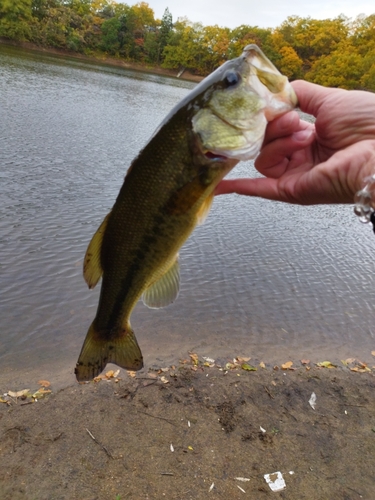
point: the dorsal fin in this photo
(92, 268)
(165, 290)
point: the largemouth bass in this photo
(167, 191)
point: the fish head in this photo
(233, 105)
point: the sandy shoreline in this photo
(194, 432)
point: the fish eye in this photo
(232, 78)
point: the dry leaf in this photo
(18, 394)
(305, 361)
(360, 369)
(326, 364)
(194, 358)
(4, 401)
(262, 365)
(164, 380)
(241, 359)
(373, 353)
(131, 373)
(229, 366)
(348, 361)
(44, 391)
(44, 383)
(110, 374)
(287, 365)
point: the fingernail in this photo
(302, 135)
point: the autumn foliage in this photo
(336, 52)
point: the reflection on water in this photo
(259, 278)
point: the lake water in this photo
(259, 278)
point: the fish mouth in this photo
(210, 155)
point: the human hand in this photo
(307, 163)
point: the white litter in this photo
(275, 481)
(209, 360)
(239, 487)
(263, 430)
(172, 449)
(312, 400)
(244, 479)
(211, 487)
(188, 423)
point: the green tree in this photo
(15, 16)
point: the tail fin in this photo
(96, 353)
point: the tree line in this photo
(335, 52)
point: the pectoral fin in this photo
(165, 290)
(204, 209)
(92, 268)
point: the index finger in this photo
(282, 126)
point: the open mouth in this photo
(214, 156)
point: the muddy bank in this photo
(102, 59)
(194, 433)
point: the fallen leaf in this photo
(347, 361)
(190, 448)
(4, 401)
(44, 383)
(110, 374)
(360, 369)
(116, 373)
(287, 365)
(373, 353)
(262, 365)
(18, 394)
(229, 366)
(240, 359)
(209, 360)
(164, 379)
(44, 391)
(194, 358)
(248, 368)
(326, 364)
(131, 373)
(305, 361)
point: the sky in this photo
(262, 13)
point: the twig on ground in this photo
(156, 416)
(101, 445)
